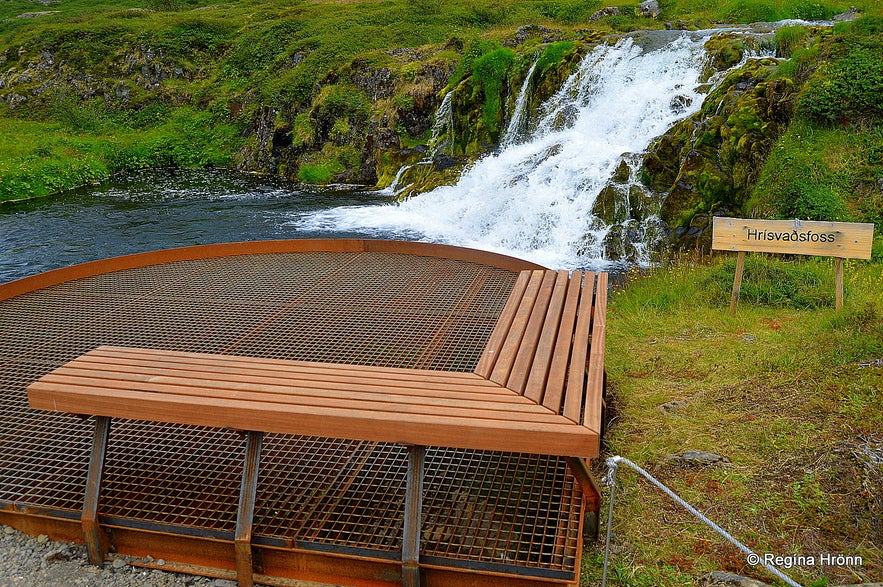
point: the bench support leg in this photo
(89, 519)
(591, 492)
(245, 515)
(413, 517)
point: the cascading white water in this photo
(519, 114)
(533, 199)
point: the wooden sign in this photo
(841, 240)
(847, 240)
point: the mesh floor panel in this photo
(360, 308)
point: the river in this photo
(533, 198)
(160, 209)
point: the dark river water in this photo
(161, 209)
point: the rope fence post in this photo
(613, 464)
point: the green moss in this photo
(319, 173)
(302, 132)
(789, 39)
(553, 55)
(848, 85)
(489, 72)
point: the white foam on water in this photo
(533, 199)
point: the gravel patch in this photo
(36, 561)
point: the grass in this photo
(823, 173)
(233, 60)
(48, 157)
(784, 389)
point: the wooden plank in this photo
(222, 360)
(737, 282)
(554, 388)
(849, 240)
(475, 433)
(293, 400)
(595, 374)
(329, 378)
(535, 385)
(526, 352)
(501, 329)
(509, 350)
(576, 369)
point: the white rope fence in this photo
(612, 465)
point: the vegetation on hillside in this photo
(788, 391)
(256, 84)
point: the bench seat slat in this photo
(252, 363)
(74, 380)
(554, 389)
(492, 349)
(595, 374)
(526, 353)
(537, 381)
(328, 378)
(509, 350)
(573, 395)
(476, 433)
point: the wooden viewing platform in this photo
(532, 381)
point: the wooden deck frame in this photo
(538, 388)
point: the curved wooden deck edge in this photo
(191, 253)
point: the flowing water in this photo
(159, 209)
(533, 199)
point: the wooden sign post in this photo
(841, 240)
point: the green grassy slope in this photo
(788, 390)
(180, 82)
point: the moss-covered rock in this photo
(709, 161)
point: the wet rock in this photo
(377, 83)
(847, 16)
(673, 406)
(698, 457)
(605, 12)
(530, 31)
(611, 205)
(723, 579)
(622, 173)
(649, 8)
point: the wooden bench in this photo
(537, 388)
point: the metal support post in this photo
(413, 517)
(245, 515)
(590, 490)
(95, 542)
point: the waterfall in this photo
(442, 127)
(519, 115)
(534, 198)
(439, 142)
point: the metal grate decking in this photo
(496, 512)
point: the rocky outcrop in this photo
(362, 125)
(708, 162)
(134, 77)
